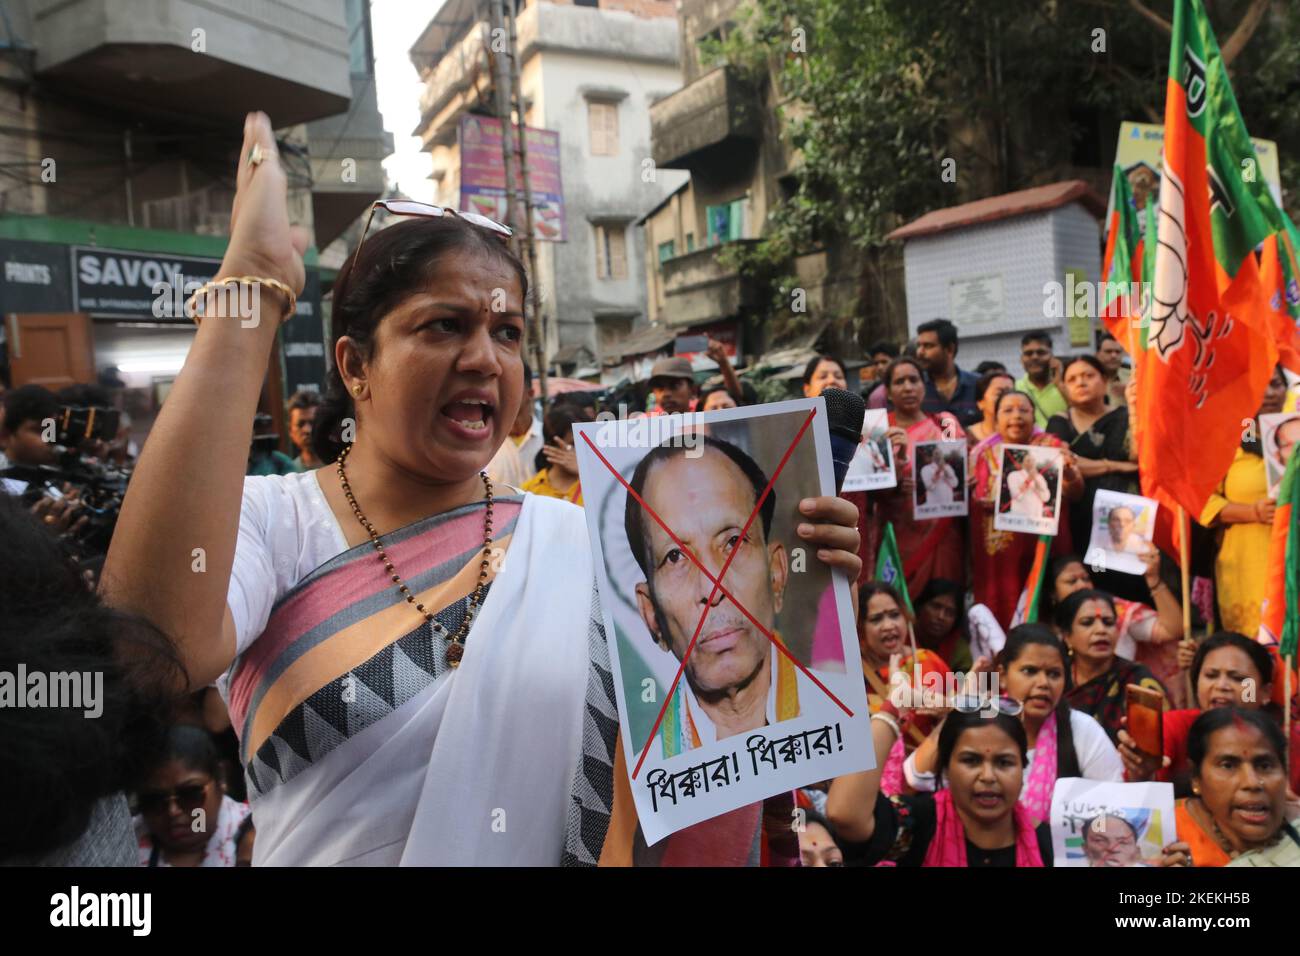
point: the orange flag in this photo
(1206, 351)
(1277, 271)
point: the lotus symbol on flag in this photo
(1168, 303)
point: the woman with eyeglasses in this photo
(414, 662)
(1087, 623)
(1236, 815)
(1034, 670)
(185, 817)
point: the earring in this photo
(356, 389)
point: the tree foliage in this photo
(875, 95)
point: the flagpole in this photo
(1184, 532)
(1286, 701)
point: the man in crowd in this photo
(948, 388)
(264, 455)
(27, 422)
(1111, 356)
(881, 354)
(29, 413)
(1039, 381)
(734, 673)
(302, 416)
(673, 385)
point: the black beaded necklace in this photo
(455, 642)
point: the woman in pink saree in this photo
(1000, 560)
(932, 547)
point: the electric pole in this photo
(502, 49)
(530, 243)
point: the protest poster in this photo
(1279, 432)
(872, 465)
(1122, 530)
(940, 487)
(736, 662)
(1029, 489)
(1101, 823)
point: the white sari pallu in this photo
(363, 747)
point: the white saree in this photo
(484, 766)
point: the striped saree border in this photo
(351, 600)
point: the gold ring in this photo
(255, 155)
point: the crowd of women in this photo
(410, 652)
(955, 788)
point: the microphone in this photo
(844, 414)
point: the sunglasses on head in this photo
(424, 210)
(189, 798)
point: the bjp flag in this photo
(1279, 274)
(1204, 350)
(1121, 267)
(1280, 616)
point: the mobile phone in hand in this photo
(1145, 718)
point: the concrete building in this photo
(123, 122)
(722, 127)
(591, 71)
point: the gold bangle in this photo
(291, 300)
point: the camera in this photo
(99, 485)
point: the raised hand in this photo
(562, 455)
(262, 243)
